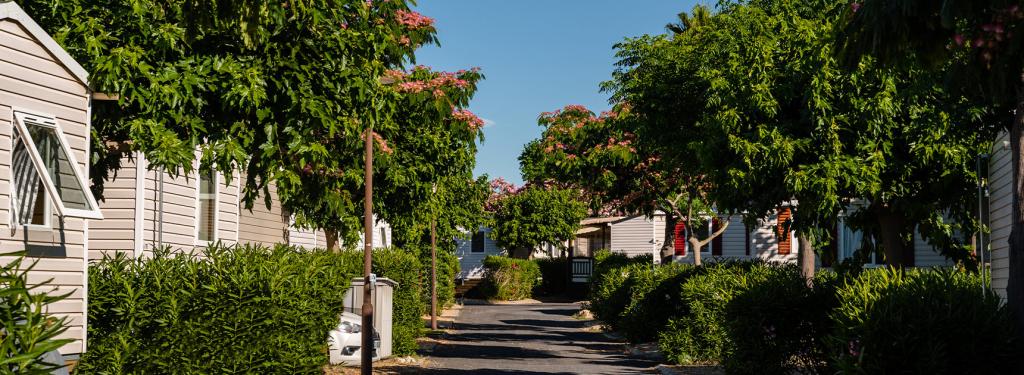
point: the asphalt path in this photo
(529, 339)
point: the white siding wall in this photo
(636, 236)
(32, 79)
(1000, 183)
(262, 225)
(925, 255)
(115, 233)
(470, 263)
(313, 239)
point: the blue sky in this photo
(537, 55)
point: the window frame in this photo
(49, 121)
(216, 207)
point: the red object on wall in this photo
(680, 242)
(716, 243)
(782, 231)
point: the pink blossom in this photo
(855, 6)
(413, 20)
(404, 41)
(472, 120)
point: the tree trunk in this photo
(1015, 284)
(332, 240)
(891, 225)
(694, 247)
(668, 248)
(806, 258)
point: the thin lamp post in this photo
(367, 310)
(433, 265)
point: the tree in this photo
(534, 216)
(982, 40)
(600, 155)
(283, 91)
(773, 119)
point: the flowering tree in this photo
(602, 156)
(282, 91)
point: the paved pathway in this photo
(529, 339)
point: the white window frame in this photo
(216, 207)
(20, 115)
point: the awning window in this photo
(41, 143)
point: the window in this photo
(782, 231)
(383, 237)
(44, 166)
(207, 207)
(478, 242)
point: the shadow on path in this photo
(529, 339)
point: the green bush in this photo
(778, 325)
(922, 322)
(407, 301)
(605, 261)
(610, 296)
(447, 268)
(698, 333)
(554, 275)
(653, 299)
(509, 279)
(242, 309)
(28, 332)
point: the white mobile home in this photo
(45, 202)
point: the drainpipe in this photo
(160, 209)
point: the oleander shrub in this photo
(554, 275)
(777, 325)
(28, 333)
(605, 261)
(653, 300)
(922, 322)
(408, 305)
(698, 333)
(509, 279)
(240, 309)
(610, 296)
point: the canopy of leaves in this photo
(535, 216)
(759, 101)
(283, 91)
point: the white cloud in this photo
(488, 122)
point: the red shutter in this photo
(680, 234)
(782, 231)
(716, 243)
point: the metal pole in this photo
(981, 232)
(433, 274)
(367, 338)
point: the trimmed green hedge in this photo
(242, 309)
(509, 279)
(408, 303)
(554, 275)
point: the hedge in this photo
(922, 322)
(408, 304)
(777, 326)
(554, 275)
(509, 279)
(243, 309)
(28, 333)
(760, 318)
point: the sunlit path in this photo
(529, 339)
